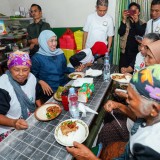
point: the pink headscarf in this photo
(155, 49)
(19, 58)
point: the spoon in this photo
(116, 119)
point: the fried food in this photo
(117, 77)
(68, 126)
(124, 87)
(52, 112)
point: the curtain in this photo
(120, 6)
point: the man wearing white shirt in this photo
(99, 26)
(153, 25)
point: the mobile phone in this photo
(138, 38)
(131, 12)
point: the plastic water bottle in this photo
(106, 71)
(73, 105)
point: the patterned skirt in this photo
(111, 131)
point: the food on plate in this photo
(68, 126)
(124, 87)
(59, 91)
(75, 76)
(52, 112)
(117, 77)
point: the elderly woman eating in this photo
(17, 92)
(49, 65)
(144, 107)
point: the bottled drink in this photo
(73, 105)
(106, 71)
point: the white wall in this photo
(5, 7)
(62, 13)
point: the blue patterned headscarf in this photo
(147, 82)
(44, 48)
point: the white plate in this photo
(79, 135)
(40, 113)
(76, 75)
(120, 90)
(123, 80)
(56, 98)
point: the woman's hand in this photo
(125, 14)
(81, 152)
(46, 88)
(121, 94)
(20, 124)
(135, 17)
(110, 105)
(123, 70)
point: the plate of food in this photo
(56, 97)
(48, 112)
(123, 86)
(71, 130)
(76, 75)
(121, 78)
(57, 94)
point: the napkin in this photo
(93, 72)
(79, 81)
(83, 108)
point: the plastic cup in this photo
(65, 102)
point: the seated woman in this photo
(49, 65)
(153, 54)
(139, 62)
(87, 56)
(144, 106)
(140, 58)
(18, 94)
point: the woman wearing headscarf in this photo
(49, 65)
(144, 106)
(17, 94)
(153, 54)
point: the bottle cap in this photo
(71, 90)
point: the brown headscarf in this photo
(155, 49)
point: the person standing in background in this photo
(35, 28)
(99, 26)
(153, 25)
(131, 26)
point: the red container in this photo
(65, 102)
